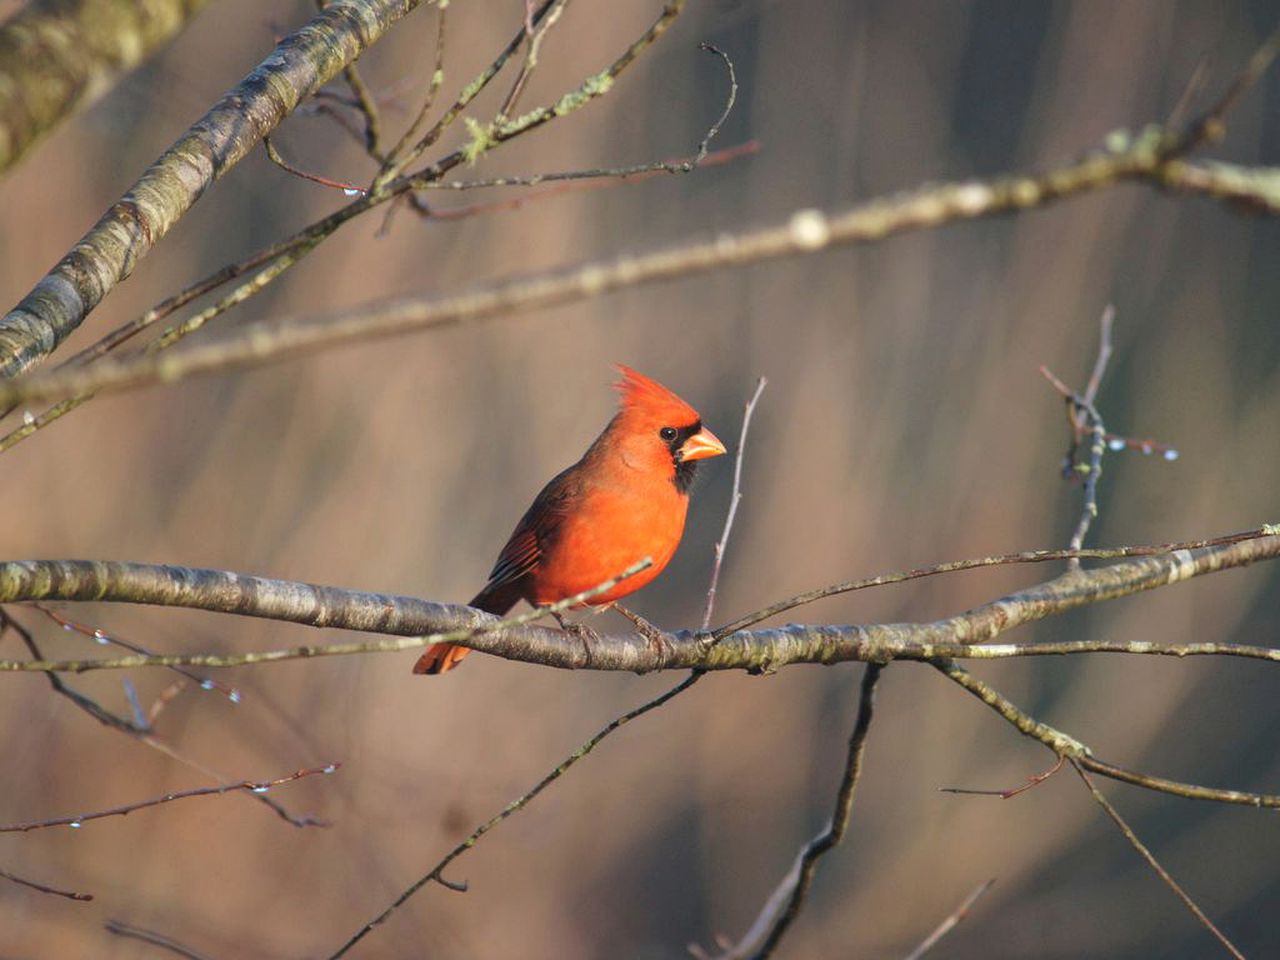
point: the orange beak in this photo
(701, 445)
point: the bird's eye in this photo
(667, 433)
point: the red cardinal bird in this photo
(623, 501)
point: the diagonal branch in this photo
(44, 888)
(1148, 856)
(389, 186)
(1067, 746)
(787, 899)
(298, 66)
(951, 921)
(735, 497)
(515, 806)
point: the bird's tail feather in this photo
(443, 657)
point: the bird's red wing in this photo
(535, 532)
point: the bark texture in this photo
(298, 66)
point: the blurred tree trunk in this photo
(57, 56)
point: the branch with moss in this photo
(299, 65)
(391, 184)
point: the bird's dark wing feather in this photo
(535, 532)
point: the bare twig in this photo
(121, 929)
(437, 872)
(367, 107)
(955, 566)
(1147, 855)
(1063, 744)
(735, 496)
(573, 181)
(728, 106)
(1084, 418)
(1212, 124)
(253, 786)
(44, 888)
(350, 189)
(787, 899)
(433, 86)
(62, 688)
(139, 729)
(953, 919)
(635, 173)
(300, 64)
(806, 231)
(1104, 353)
(1009, 793)
(103, 638)
(389, 185)
(1195, 83)
(534, 36)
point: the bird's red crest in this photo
(642, 394)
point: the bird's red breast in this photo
(625, 500)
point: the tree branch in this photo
(784, 904)
(43, 888)
(1142, 157)
(122, 929)
(1152, 862)
(515, 806)
(253, 786)
(415, 623)
(1067, 746)
(950, 922)
(298, 66)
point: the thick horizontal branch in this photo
(1141, 157)
(298, 66)
(58, 56)
(417, 622)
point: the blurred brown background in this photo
(904, 424)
